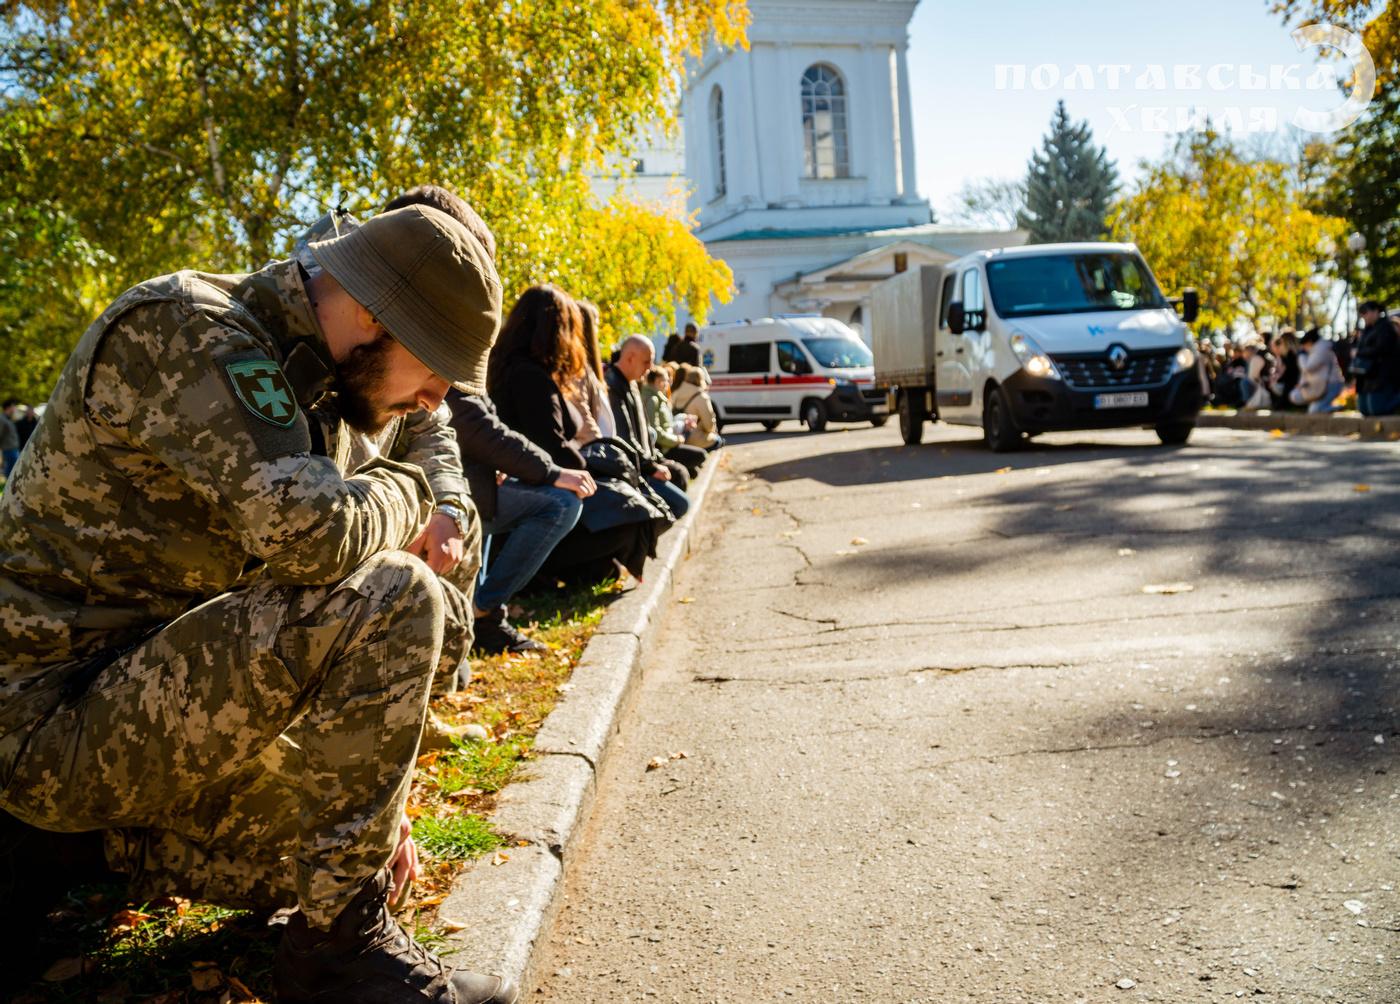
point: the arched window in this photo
(825, 140)
(717, 140)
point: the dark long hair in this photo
(544, 325)
(592, 351)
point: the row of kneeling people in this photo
(576, 465)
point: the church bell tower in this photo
(809, 129)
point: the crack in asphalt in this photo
(781, 681)
(1143, 744)
(1006, 628)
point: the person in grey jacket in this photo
(520, 491)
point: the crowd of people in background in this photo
(577, 465)
(17, 422)
(1288, 371)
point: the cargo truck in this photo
(1050, 337)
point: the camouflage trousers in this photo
(258, 750)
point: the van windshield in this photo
(1071, 284)
(838, 353)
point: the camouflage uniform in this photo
(185, 576)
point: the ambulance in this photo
(805, 367)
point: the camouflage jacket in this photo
(176, 461)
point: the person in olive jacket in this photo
(518, 490)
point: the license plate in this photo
(1134, 400)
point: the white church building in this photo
(798, 157)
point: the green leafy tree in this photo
(1242, 231)
(1365, 190)
(171, 133)
(1364, 184)
(1070, 184)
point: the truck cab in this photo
(1043, 338)
(806, 367)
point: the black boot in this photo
(367, 958)
(495, 634)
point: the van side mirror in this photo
(957, 317)
(1190, 305)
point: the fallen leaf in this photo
(126, 920)
(756, 511)
(428, 759)
(500, 858)
(656, 762)
(177, 903)
(1361, 488)
(1276, 433)
(63, 970)
(1168, 588)
(1064, 508)
(1004, 470)
(686, 599)
(859, 541)
(242, 988)
(1126, 552)
(451, 926)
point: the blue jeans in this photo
(537, 518)
(675, 498)
(1378, 402)
(7, 464)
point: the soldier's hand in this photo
(581, 483)
(440, 544)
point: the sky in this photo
(973, 121)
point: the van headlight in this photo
(1185, 359)
(1035, 362)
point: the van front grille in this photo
(1149, 368)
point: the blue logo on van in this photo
(708, 359)
(1095, 331)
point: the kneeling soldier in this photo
(185, 577)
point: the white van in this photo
(806, 367)
(1032, 339)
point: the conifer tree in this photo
(1070, 184)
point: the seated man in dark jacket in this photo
(670, 478)
(1376, 364)
(519, 490)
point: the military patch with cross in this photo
(263, 388)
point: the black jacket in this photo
(489, 445)
(687, 352)
(631, 416)
(1377, 360)
(530, 402)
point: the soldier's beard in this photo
(359, 387)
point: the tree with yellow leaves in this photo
(1238, 229)
(170, 133)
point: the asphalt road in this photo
(1097, 721)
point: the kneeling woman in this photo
(536, 362)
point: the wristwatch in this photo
(455, 513)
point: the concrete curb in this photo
(496, 912)
(1343, 423)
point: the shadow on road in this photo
(946, 459)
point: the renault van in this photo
(1046, 337)
(805, 367)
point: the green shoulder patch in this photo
(263, 388)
